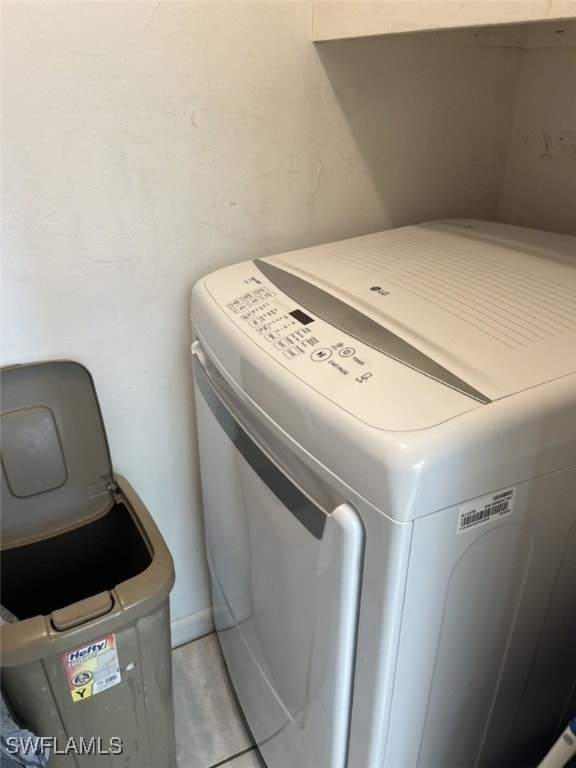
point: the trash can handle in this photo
(82, 612)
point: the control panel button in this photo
(346, 352)
(321, 354)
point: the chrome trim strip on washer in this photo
(312, 517)
(363, 328)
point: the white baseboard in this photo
(191, 627)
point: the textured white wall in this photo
(147, 143)
(540, 183)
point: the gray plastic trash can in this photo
(85, 571)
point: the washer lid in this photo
(488, 309)
(56, 469)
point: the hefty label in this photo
(92, 668)
(87, 651)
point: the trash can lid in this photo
(56, 468)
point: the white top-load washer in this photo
(387, 430)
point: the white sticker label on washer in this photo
(485, 509)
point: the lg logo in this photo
(381, 291)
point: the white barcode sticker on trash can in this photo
(92, 668)
(485, 509)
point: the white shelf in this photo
(345, 19)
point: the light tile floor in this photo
(209, 729)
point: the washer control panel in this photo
(290, 332)
(352, 374)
